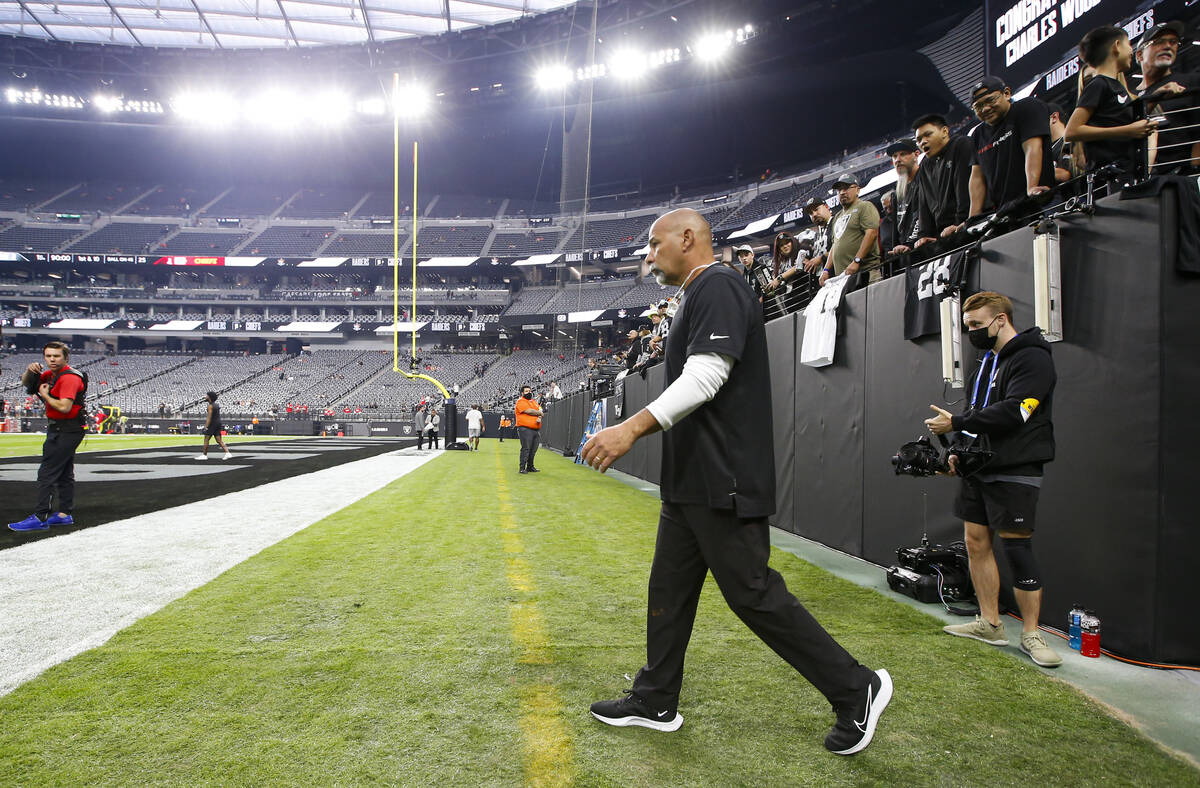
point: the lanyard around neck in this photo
(694, 271)
(991, 380)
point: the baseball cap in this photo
(813, 202)
(904, 145)
(986, 85)
(743, 248)
(1178, 28)
(846, 179)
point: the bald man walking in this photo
(718, 489)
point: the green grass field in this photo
(451, 630)
(24, 445)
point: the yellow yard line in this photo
(549, 757)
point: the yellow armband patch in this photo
(1028, 406)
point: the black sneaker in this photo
(632, 710)
(855, 724)
(534, 470)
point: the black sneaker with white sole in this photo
(632, 710)
(855, 726)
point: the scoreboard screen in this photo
(1026, 38)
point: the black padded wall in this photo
(903, 378)
(828, 499)
(581, 411)
(1179, 436)
(781, 347)
(656, 378)
(556, 423)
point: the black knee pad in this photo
(1026, 575)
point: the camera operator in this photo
(1008, 417)
(62, 390)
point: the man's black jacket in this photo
(944, 182)
(1017, 419)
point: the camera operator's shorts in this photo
(1001, 506)
(474, 433)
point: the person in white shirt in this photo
(474, 427)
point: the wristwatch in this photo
(858, 260)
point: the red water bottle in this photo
(1089, 645)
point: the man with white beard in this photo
(904, 155)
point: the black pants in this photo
(433, 439)
(693, 540)
(57, 472)
(530, 438)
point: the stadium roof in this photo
(232, 24)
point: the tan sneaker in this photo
(979, 629)
(1033, 644)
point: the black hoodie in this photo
(1016, 420)
(944, 188)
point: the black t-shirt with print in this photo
(722, 454)
(999, 150)
(1111, 105)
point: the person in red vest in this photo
(62, 389)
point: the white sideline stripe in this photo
(60, 597)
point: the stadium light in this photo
(597, 71)
(554, 77)
(106, 104)
(411, 101)
(663, 57)
(628, 64)
(275, 109)
(206, 107)
(36, 98)
(373, 106)
(331, 109)
(712, 47)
